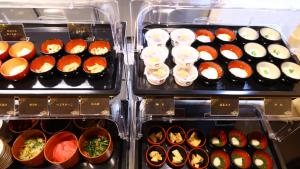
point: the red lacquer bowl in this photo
(22, 49)
(19, 144)
(55, 149)
(92, 132)
(161, 151)
(15, 69)
(4, 48)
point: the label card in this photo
(158, 107)
(224, 106)
(64, 106)
(278, 106)
(33, 106)
(82, 31)
(94, 106)
(12, 32)
(7, 106)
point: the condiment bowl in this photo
(204, 164)
(43, 66)
(170, 155)
(53, 47)
(95, 66)
(175, 129)
(19, 144)
(161, 151)
(199, 134)
(76, 47)
(156, 129)
(239, 71)
(54, 149)
(210, 72)
(100, 48)
(92, 132)
(63, 65)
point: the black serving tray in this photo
(116, 161)
(206, 126)
(110, 84)
(251, 88)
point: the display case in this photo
(62, 74)
(171, 88)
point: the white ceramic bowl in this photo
(255, 50)
(184, 55)
(185, 75)
(157, 37)
(270, 34)
(290, 69)
(248, 33)
(157, 76)
(182, 37)
(154, 56)
(279, 51)
(268, 70)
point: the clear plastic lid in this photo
(282, 15)
(63, 12)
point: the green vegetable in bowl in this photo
(32, 147)
(95, 146)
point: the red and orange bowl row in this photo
(18, 68)
(22, 52)
(63, 148)
(27, 50)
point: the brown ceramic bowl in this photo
(92, 132)
(200, 135)
(72, 44)
(19, 126)
(161, 151)
(8, 68)
(46, 48)
(205, 32)
(156, 129)
(19, 143)
(203, 154)
(212, 51)
(60, 125)
(54, 149)
(92, 61)
(22, 49)
(94, 46)
(67, 60)
(183, 153)
(4, 48)
(37, 64)
(175, 129)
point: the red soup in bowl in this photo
(61, 149)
